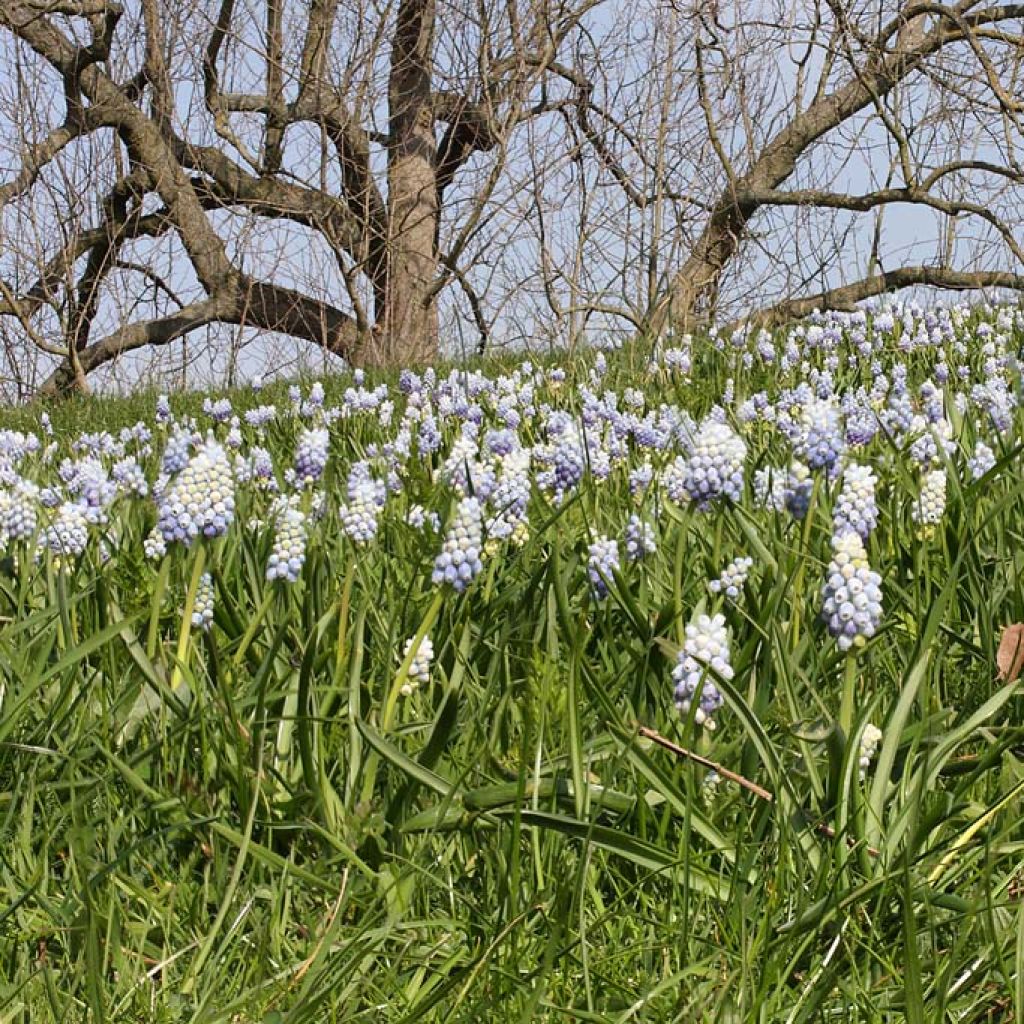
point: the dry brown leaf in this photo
(1010, 656)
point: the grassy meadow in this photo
(443, 697)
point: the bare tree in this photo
(353, 121)
(879, 107)
(368, 177)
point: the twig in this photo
(751, 787)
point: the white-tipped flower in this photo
(705, 652)
(856, 509)
(460, 559)
(201, 498)
(602, 564)
(715, 464)
(289, 551)
(981, 461)
(419, 668)
(311, 453)
(202, 610)
(931, 503)
(852, 594)
(67, 534)
(640, 539)
(870, 737)
(733, 578)
(154, 546)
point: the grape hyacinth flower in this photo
(797, 491)
(202, 610)
(18, 515)
(200, 499)
(459, 562)
(852, 594)
(289, 551)
(870, 737)
(419, 518)
(311, 456)
(715, 464)
(176, 454)
(981, 461)
(706, 648)
(640, 539)
(930, 506)
(856, 509)
(360, 515)
(640, 479)
(602, 564)
(419, 668)
(510, 498)
(68, 532)
(733, 578)
(770, 488)
(154, 546)
(821, 439)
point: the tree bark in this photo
(407, 322)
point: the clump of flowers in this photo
(870, 737)
(289, 550)
(311, 455)
(67, 534)
(930, 506)
(459, 562)
(640, 539)
(154, 546)
(200, 499)
(202, 610)
(856, 509)
(798, 489)
(852, 594)
(981, 461)
(602, 564)
(714, 468)
(705, 651)
(419, 668)
(733, 578)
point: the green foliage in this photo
(256, 825)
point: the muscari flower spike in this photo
(856, 509)
(200, 500)
(289, 551)
(930, 505)
(202, 610)
(716, 464)
(870, 737)
(704, 652)
(459, 562)
(419, 668)
(852, 593)
(640, 539)
(311, 453)
(733, 578)
(602, 564)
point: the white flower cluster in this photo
(931, 503)
(706, 646)
(419, 669)
(869, 740)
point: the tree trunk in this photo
(407, 327)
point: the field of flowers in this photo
(658, 686)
